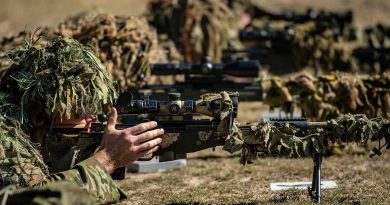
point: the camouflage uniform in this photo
(198, 28)
(328, 96)
(61, 80)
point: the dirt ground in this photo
(217, 177)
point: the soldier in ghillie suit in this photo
(63, 85)
(330, 95)
(126, 45)
(198, 28)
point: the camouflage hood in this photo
(64, 79)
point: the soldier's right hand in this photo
(121, 147)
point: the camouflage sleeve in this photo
(90, 176)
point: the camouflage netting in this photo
(331, 95)
(198, 28)
(62, 80)
(285, 139)
(20, 161)
(125, 45)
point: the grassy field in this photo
(218, 178)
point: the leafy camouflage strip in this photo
(199, 28)
(12, 42)
(223, 115)
(20, 161)
(62, 79)
(285, 139)
(331, 95)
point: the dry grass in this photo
(218, 178)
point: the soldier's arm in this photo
(118, 149)
(92, 177)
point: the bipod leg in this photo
(315, 189)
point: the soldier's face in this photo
(79, 122)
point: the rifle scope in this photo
(237, 68)
(174, 106)
(310, 15)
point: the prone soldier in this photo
(63, 84)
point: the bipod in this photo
(315, 189)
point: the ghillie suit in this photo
(315, 45)
(331, 95)
(278, 95)
(53, 82)
(198, 28)
(378, 36)
(125, 45)
(316, 39)
(374, 57)
(379, 94)
(9, 43)
(63, 80)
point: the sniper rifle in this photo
(185, 134)
(208, 78)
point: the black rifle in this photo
(339, 20)
(208, 78)
(272, 46)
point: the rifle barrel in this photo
(236, 68)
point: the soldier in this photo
(198, 28)
(63, 85)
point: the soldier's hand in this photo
(121, 147)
